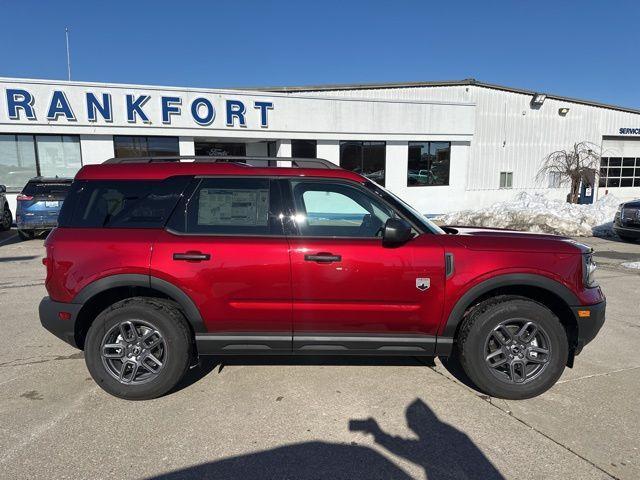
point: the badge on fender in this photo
(423, 284)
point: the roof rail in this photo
(295, 161)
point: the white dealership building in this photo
(441, 146)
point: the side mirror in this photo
(3, 189)
(396, 232)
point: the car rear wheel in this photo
(7, 219)
(512, 347)
(139, 348)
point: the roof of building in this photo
(443, 83)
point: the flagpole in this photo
(66, 33)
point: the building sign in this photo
(94, 106)
(39, 106)
(629, 131)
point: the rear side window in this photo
(42, 189)
(121, 204)
(229, 206)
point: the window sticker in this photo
(225, 206)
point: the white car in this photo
(7, 219)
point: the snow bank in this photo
(635, 265)
(536, 213)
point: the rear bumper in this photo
(36, 225)
(50, 319)
(589, 326)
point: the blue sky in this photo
(585, 49)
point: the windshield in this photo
(408, 209)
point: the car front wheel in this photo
(512, 347)
(139, 348)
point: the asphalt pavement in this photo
(312, 418)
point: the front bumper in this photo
(50, 319)
(588, 326)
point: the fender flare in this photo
(189, 308)
(506, 280)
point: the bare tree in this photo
(575, 165)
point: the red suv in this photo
(158, 261)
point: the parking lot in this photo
(315, 418)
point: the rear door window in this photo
(229, 206)
(121, 204)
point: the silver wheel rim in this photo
(517, 351)
(133, 352)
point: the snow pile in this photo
(635, 265)
(536, 213)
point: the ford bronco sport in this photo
(157, 261)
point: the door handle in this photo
(323, 258)
(192, 256)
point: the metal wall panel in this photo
(510, 135)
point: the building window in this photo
(25, 156)
(506, 179)
(221, 149)
(619, 172)
(304, 148)
(555, 179)
(134, 146)
(365, 158)
(429, 164)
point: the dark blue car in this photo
(39, 204)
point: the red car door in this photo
(346, 283)
(224, 247)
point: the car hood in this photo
(632, 204)
(480, 238)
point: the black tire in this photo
(159, 314)
(26, 234)
(477, 340)
(7, 219)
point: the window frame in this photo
(304, 141)
(146, 141)
(361, 144)
(275, 202)
(33, 136)
(619, 165)
(428, 142)
(508, 176)
(291, 227)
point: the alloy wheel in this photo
(133, 352)
(517, 351)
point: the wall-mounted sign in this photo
(110, 109)
(629, 131)
(23, 104)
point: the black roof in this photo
(443, 83)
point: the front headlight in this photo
(589, 271)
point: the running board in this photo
(322, 344)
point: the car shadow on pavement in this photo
(441, 450)
(208, 364)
